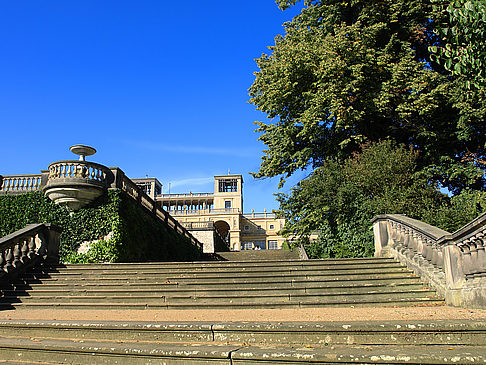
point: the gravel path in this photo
(279, 315)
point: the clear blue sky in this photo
(160, 88)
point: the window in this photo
(272, 226)
(227, 204)
(227, 186)
(259, 245)
(272, 245)
(246, 245)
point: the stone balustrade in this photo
(20, 184)
(198, 225)
(454, 264)
(78, 169)
(28, 247)
(122, 182)
(204, 211)
(76, 183)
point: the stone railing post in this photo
(380, 231)
(453, 266)
(53, 234)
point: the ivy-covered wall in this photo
(112, 229)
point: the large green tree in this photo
(463, 51)
(341, 197)
(356, 71)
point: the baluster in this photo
(31, 247)
(428, 249)
(420, 245)
(24, 251)
(8, 267)
(440, 257)
(17, 253)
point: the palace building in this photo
(221, 210)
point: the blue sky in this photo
(159, 88)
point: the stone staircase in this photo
(222, 285)
(248, 281)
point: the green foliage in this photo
(115, 228)
(352, 72)
(457, 211)
(100, 251)
(340, 199)
(464, 33)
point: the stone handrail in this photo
(207, 225)
(27, 247)
(205, 211)
(185, 195)
(455, 264)
(20, 184)
(121, 181)
(260, 215)
(75, 169)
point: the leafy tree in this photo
(340, 198)
(464, 53)
(356, 71)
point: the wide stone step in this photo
(222, 264)
(369, 301)
(114, 352)
(439, 332)
(117, 290)
(212, 270)
(369, 274)
(218, 284)
(256, 297)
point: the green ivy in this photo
(134, 234)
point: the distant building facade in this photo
(223, 209)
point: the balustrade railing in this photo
(204, 211)
(27, 247)
(20, 184)
(185, 195)
(75, 169)
(259, 215)
(135, 192)
(457, 259)
(198, 225)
